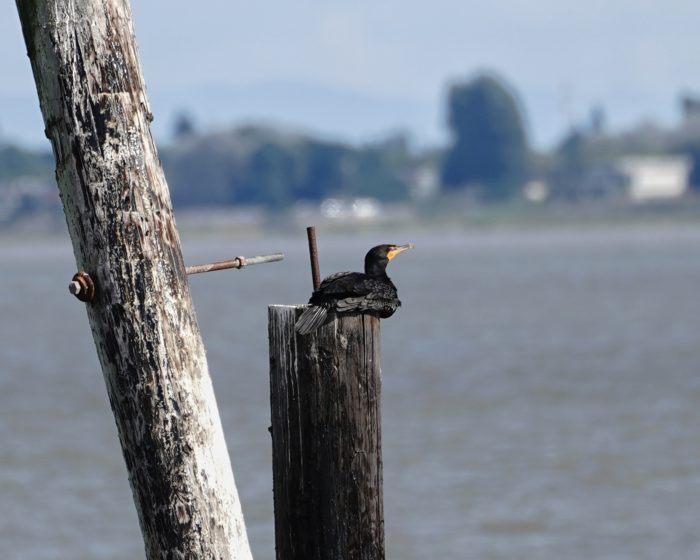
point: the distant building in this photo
(350, 209)
(425, 181)
(655, 178)
(536, 191)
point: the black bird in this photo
(351, 292)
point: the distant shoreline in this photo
(440, 215)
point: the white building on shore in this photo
(655, 178)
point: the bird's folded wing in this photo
(346, 284)
(351, 304)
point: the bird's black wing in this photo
(337, 292)
(348, 292)
(341, 285)
(354, 291)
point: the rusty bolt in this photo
(82, 286)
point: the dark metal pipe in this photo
(313, 255)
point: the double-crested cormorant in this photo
(351, 292)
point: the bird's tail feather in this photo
(311, 319)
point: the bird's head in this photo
(378, 257)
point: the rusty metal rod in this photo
(313, 256)
(238, 262)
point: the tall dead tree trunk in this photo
(120, 219)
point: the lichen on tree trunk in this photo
(117, 205)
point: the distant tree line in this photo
(263, 166)
(488, 156)
(20, 162)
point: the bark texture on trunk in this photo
(117, 205)
(326, 438)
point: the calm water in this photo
(541, 396)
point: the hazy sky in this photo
(357, 69)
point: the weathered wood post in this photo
(326, 438)
(119, 215)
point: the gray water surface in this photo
(541, 395)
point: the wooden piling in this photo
(119, 215)
(326, 438)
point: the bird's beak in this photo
(398, 249)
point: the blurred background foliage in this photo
(275, 168)
(488, 157)
(489, 150)
(19, 162)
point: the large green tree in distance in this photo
(489, 150)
